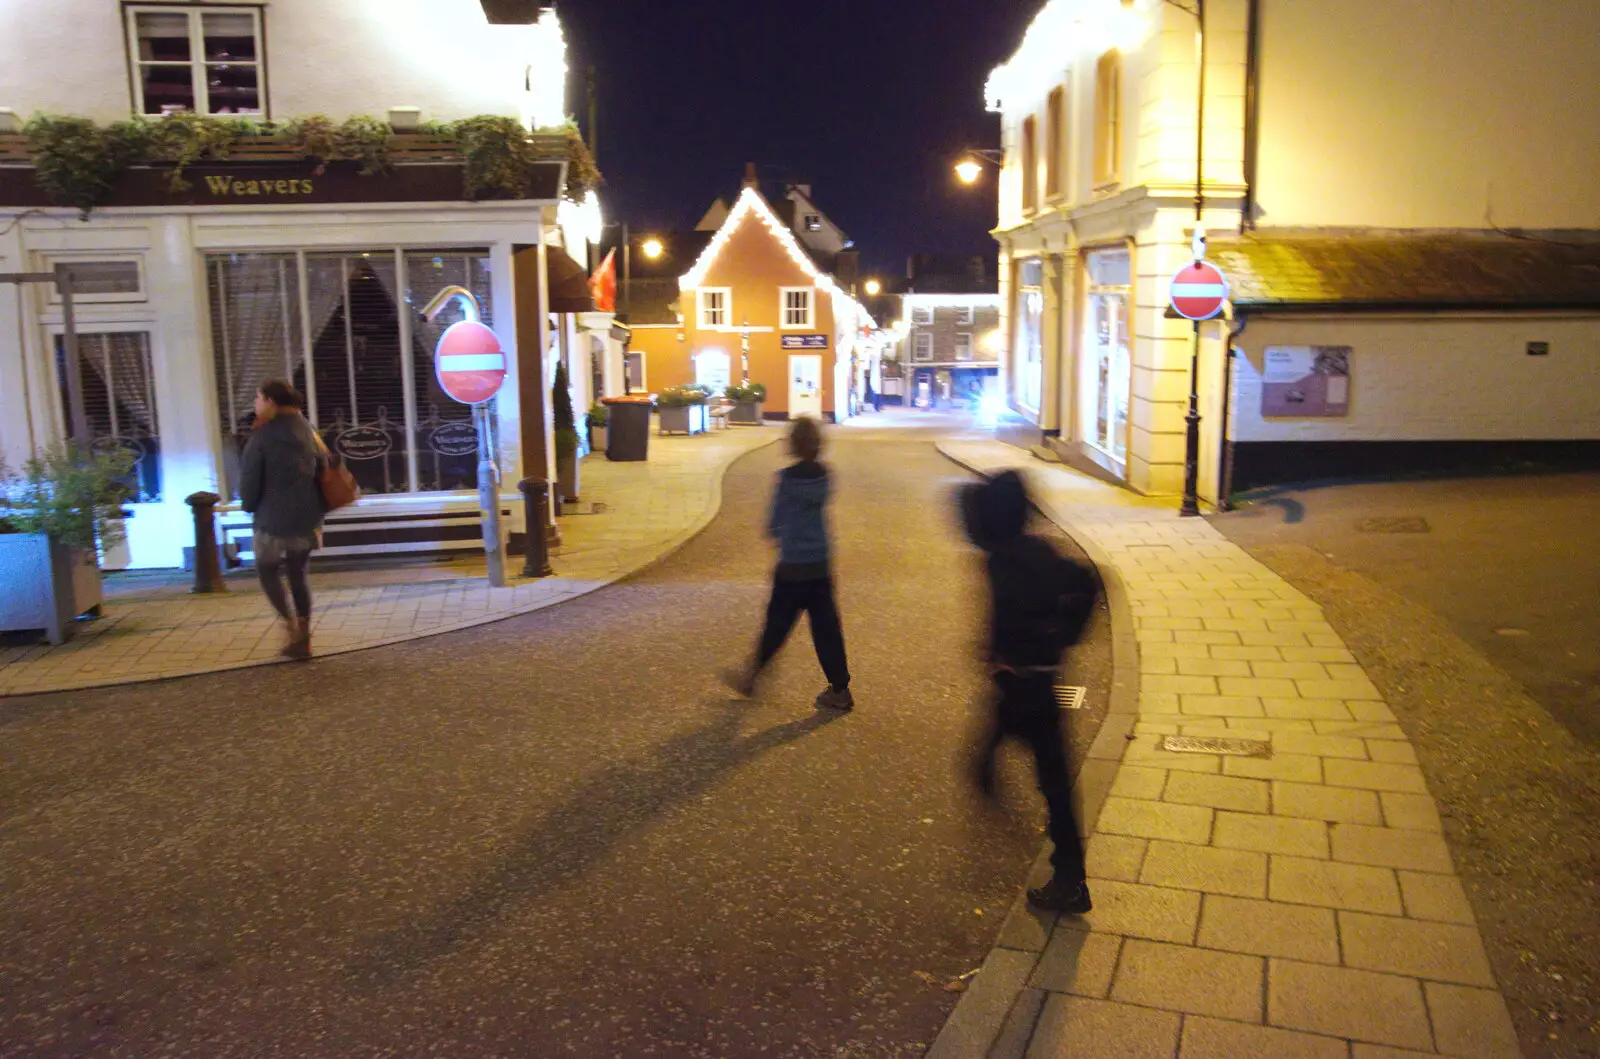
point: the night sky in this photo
(871, 101)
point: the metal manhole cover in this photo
(1070, 696)
(1394, 524)
(1195, 744)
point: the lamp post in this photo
(970, 168)
(1191, 438)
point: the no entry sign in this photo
(1198, 291)
(469, 362)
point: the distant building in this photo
(1415, 263)
(948, 348)
(769, 296)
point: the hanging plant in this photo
(582, 173)
(76, 162)
(499, 154)
(183, 139)
(360, 139)
(315, 137)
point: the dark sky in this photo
(871, 100)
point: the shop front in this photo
(1105, 362)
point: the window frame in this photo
(812, 222)
(917, 341)
(963, 337)
(701, 309)
(1108, 120)
(965, 314)
(1055, 138)
(809, 323)
(917, 315)
(56, 331)
(78, 298)
(1030, 163)
(197, 60)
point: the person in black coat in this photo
(278, 486)
(1040, 602)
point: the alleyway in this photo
(552, 835)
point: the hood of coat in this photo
(807, 483)
(286, 434)
(995, 511)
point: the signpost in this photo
(471, 367)
(1198, 292)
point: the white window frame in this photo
(197, 53)
(54, 330)
(703, 311)
(920, 339)
(922, 315)
(963, 349)
(964, 314)
(784, 309)
(812, 222)
(137, 261)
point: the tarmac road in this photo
(554, 835)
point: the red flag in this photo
(603, 284)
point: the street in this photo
(556, 834)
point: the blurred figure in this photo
(1040, 602)
(803, 579)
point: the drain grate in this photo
(1395, 524)
(1194, 744)
(1070, 696)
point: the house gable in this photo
(754, 247)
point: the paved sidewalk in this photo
(1302, 904)
(153, 628)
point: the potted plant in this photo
(54, 515)
(566, 432)
(683, 408)
(597, 419)
(747, 401)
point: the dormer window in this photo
(813, 222)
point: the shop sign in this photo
(454, 439)
(1306, 381)
(805, 341)
(363, 443)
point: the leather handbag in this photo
(334, 480)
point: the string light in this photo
(546, 104)
(1060, 29)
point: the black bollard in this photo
(535, 510)
(207, 568)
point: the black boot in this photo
(1059, 895)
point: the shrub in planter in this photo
(683, 408)
(597, 419)
(566, 435)
(747, 401)
(53, 514)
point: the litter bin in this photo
(628, 427)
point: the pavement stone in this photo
(1414, 812)
(1391, 848)
(1343, 1002)
(1080, 1028)
(1218, 792)
(1205, 868)
(1135, 910)
(1373, 775)
(1271, 834)
(1316, 802)
(1442, 952)
(1208, 1038)
(1077, 962)
(1148, 819)
(1119, 857)
(1269, 928)
(1471, 1022)
(1436, 897)
(1331, 884)
(1191, 980)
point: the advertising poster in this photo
(1306, 381)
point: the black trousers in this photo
(295, 564)
(815, 597)
(1025, 709)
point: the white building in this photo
(1409, 133)
(269, 264)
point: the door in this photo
(805, 385)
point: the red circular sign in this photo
(469, 362)
(1198, 291)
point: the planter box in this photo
(746, 412)
(689, 419)
(567, 476)
(597, 439)
(45, 586)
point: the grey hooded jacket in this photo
(278, 477)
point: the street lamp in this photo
(970, 168)
(1191, 438)
(873, 287)
(652, 248)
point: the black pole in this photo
(1191, 439)
(536, 545)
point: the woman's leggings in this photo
(296, 564)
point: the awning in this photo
(569, 283)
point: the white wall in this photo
(1417, 113)
(1436, 378)
(336, 58)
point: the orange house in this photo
(756, 306)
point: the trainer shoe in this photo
(836, 699)
(1058, 895)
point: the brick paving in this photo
(1303, 904)
(153, 628)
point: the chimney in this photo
(750, 178)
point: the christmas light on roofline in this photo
(1059, 32)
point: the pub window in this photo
(358, 348)
(922, 314)
(964, 314)
(1108, 119)
(102, 280)
(923, 350)
(797, 307)
(714, 306)
(1030, 163)
(204, 60)
(1054, 139)
(119, 401)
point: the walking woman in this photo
(278, 485)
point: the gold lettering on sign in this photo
(229, 187)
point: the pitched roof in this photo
(1383, 270)
(751, 201)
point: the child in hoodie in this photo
(803, 580)
(1040, 602)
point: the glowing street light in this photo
(969, 171)
(872, 288)
(652, 248)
